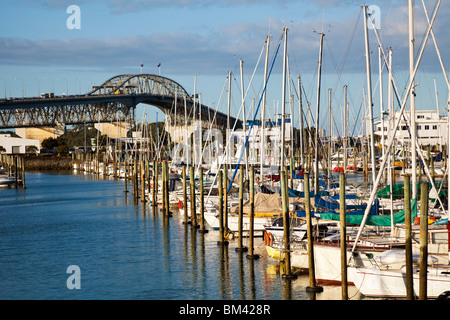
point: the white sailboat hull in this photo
(259, 223)
(374, 282)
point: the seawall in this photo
(48, 163)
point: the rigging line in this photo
(234, 126)
(391, 138)
(339, 72)
(253, 75)
(435, 44)
(321, 144)
(254, 116)
(210, 126)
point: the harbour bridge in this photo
(114, 100)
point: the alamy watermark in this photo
(374, 14)
(74, 20)
(74, 280)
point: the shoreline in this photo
(48, 163)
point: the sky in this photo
(198, 41)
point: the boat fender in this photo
(180, 204)
(444, 296)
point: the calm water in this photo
(123, 250)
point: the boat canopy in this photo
(398, 192)
(374, 220)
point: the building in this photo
(431, 127)
(113, 130)
(14, 145)
(41, 133)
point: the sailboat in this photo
(386, 277)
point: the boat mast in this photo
(380, 70)
(329, 139)
(316, 154)
(448, 160)
(300, 105)
(283, 100)
(439, 118)
(194, 154)
(186, 153)
(228, 115)
(394, 128)
(345, 128)
(369, 97)
(412, 102)
(263, 112)
(241, 64)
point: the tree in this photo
(62, 149)
(49, 143)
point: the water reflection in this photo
(126, 249)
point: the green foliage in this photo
(49, 143)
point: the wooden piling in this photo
(225, 197)
(114, 160)
(142, 180)
(163, 188)
(22, 166)
(135, 181)
(147, 174)
(343, 231)
(423, 268)
(240, 246)
(16, 179)
(251, 254)
(222, 240)
(291, 173)
(185, 207)
(408, 239)
(193, 207)
(286, 232)
(155, 185)
(311, 267)
(167, 189)
(202, 203)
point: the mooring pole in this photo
(167, 188)
(202, 203)
(312, 270)
(286, 227)
(423, 268)
(408, 238)
(222, 240)
(251, 254)
(185, 206)
(193, 207)
(240, 246)
(343, 230)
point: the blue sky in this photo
(205, 39)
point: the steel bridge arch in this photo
(140, 84)
(115, 98)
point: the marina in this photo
(124, 250)
(267, 203)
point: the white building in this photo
(17, 145)
(431, 128)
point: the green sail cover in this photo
(374, 220)
(398, 192)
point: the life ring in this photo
(268, 238)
